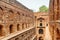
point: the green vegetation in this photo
(43, 9)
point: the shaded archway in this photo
(18, 28)
(40, 31)
(11, 28)
(41, 24)
(1, 30)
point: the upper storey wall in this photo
(23, 13)
(17, 4)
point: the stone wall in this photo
(15, 18)
(42, 21)
(54, 12)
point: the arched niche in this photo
(11, 28)
(41, 31)
(1, 30)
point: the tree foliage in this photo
(43, 9)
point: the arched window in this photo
(40, 31)
(46, 24)
(17, 27)
(1, 30)
(40, 24)
(11, 28)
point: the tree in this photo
(43, 9)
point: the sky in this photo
(34, 4)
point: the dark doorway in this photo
(1, 30)
(18, 27)
(11, 28)
(40, 31)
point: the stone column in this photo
(20, 26)
(14, 28)
(4, 31)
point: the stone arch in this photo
(40, 31)
(41, 18)
(1, 30)
(18, 28)
(40, 38)
(41, 24)
(11, 28)
(11, 11)
(1, 8)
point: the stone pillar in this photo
(24, 25)
(14, 28)
(7, 29)
(20, 26)
(4, 33)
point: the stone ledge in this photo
(16, 33)
(33, 37)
